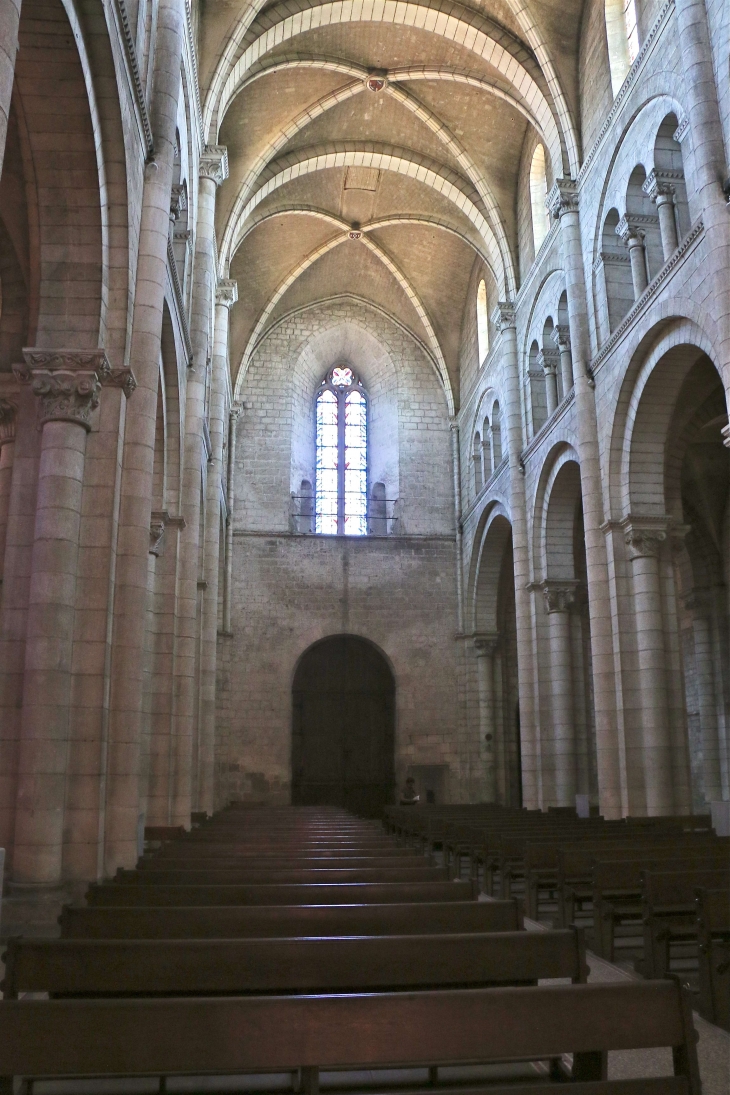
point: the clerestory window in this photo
(622, 34)
(341, 464)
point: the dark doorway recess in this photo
(343, 732)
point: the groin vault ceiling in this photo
(375, 150)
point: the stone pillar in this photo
(701, 604)
(66, 384)
(193, 750)
(484, 648)
(456, 470)
(504, 320)
(661, 192)
(634, 241)
(9, 20)
(7, 452)
(644, 538)
(226, 295)
(559, 600)
(563, 203)
(233, 417)
(130, 598)
(551, 382)
(561, 338)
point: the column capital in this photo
(644, 536)
(226, 293)
(561, 336)
(548, 360)
(67, 382)
(160, 521)
(504, 316)
(214, 163)
(8, 409)
(560, 596)
(485, 643)
(563, 198)
(628, 232)
(178, 201)
(725, 431)
(661, 184)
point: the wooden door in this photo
(343, 727)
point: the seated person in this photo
(408, 794)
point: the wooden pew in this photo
(713, 937)
(260, 921)
(669, 912)
(617, 892)
(211, 852)
(213, 876)
(354, 893)
(375, 963)
(234, 1035)
(298, 863)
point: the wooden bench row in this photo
(239, 1035)
(345, 893)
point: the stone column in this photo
(7, 452)
(548, 366)
(561, 338)
(504, 320)
(559, 600)
(563, 203)
(644, 538)
(193, 749)
(701, 604)
(661, 192)
(634, 241)
(233, 417)
(66, 384)
(484, 648)
(130, 598)
(9, 20)
(226, 295)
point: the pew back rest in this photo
(713, 911)
(146, 967)
(625, 874)
(273, 894)
(243, 1034)
(668, 888)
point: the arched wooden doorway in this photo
(343, 732)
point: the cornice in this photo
(652, 288)
(140, 103)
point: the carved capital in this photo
(8, 411)
(214, 163)
(178, 201)
(563, 198)
(645, 536)
(561, 336)
(235, 412)
(66, 382)
(226, 293)
(505, 316)
(725, 431)
(158, 524)
(485, 644)
(560, 596)
(122, 378)
(660, 188)
(682, 129)
(629, 232)
(548, 360)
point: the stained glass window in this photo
(341, 469)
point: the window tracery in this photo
(341, 460)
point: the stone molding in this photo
(559, 596)
(121, 378)
(725, 431)
(214, 163)
(644, 536)
(661, 183)
(548, 360)
(140, 100)
(610, 258)
(160, 521)
(682, 130)
(66, 382)
(563, 198)
(694, 234)
(226, 293)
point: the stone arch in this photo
(62, 150)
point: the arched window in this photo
(622, 33)
(341, 465)
(538, 194)
(482, 322)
